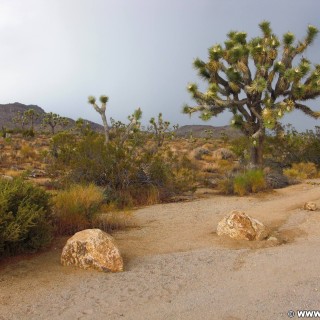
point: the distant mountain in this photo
(9, 111)
(202, 131)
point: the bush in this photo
(295, 147)
(301, 171)
(276, 180)
(132, 172)
(25, 217)
(76, 208)
(27, 152)
(244, 183)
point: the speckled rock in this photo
(240, 226)
(92, 249)
(311, 206)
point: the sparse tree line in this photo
(26, 121)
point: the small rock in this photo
(310, 206)
(92, 249)
(240, 226)
(272, 239)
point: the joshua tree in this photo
(258, 81)
(82, 126)
(31, 115)
(134, 124)
(159, 128)
(102, 111)
(52, 120)
(20, 119)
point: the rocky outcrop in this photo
(310, 206)
(240, 226)
(92, 249)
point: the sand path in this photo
(178, 268)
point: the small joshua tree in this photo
(159, 128)
(31, 115)
(102, 111)
(52, 120)
(258, 87)
(134, 124)
(20, 119)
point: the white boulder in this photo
(92, 249)
(240, 226)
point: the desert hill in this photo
(9, 111)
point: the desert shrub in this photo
(276, 180)
(249, 181)
(301, 171)
(171, 174)
(240, 147)
(75, 208)
(225, 185)
(123, 167)
(225, 165)
(27, 151)
(62, 146)
(29, 133)
(25, 217)
(295, 147)
(244, 183)
(241, 185)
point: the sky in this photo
(55, 53)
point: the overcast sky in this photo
(55, 53)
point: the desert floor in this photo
(176, 267)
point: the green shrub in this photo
(244, 183)
(295, 147)
(25, 218)
(241, 185)
(131, 172)
(76, 208)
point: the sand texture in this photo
(176, 267)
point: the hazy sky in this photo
(54, 53)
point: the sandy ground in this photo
(178, 268)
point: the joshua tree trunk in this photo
(256, 152)
(105, 126)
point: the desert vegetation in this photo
(62, 181)
(55, 185)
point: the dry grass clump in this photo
(27, 152)
(76, 208)
(112, 219)
(301, 171)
